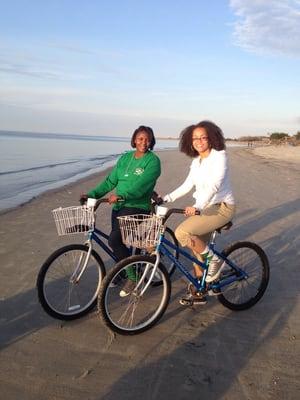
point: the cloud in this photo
(27, 70)
(71, 48)
(54, 65)
(267, 26)
(25, 62)
(19, 62)
(15, 63)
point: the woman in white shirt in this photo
(213, 196)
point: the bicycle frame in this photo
(96, 235)
(200, 285)
(92, 235)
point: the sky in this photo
(102, 67)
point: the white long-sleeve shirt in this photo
(210, 178)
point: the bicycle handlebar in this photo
(177, 211)
(105, 200)
(156, 201)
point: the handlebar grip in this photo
(177, 211)
(105, 200)
(182, 211)
(83, 200)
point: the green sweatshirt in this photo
(133, 179)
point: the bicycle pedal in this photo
(186, 302)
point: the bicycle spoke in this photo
(245, 292)
(131, 305)
(134, 312)
(62, 296)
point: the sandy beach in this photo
(207, 353)
(290, 154)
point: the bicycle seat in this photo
(225, 227)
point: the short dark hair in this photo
(215, 138)
(149, 132)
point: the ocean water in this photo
(32, 163)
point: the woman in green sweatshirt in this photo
(133, 179)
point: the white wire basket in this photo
(140, 230)
(72, 220)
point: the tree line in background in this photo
(272, 138)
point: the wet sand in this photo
(208, 352)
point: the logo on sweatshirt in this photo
(138, 171)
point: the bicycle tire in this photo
(59, 297)
(133, 314)
(245, 293)
(169, 265)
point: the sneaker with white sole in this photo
(214, 270)
(193, 299)
(127, 288)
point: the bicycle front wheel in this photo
(245, 292)
(63, 292)
(124, 307)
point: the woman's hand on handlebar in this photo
(83, 199)
(190, 211)
(156, 199)
(113, 198)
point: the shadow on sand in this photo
(205, 353)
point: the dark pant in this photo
(115, 238)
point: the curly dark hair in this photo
(149, 132)
(215, 138)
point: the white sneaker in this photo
(127, 288)
(214, 270)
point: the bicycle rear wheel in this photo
(59, 292)
(137, 311)
(244, 293)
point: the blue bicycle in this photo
(242, 282)
(69, 280)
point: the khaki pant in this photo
(211, 218)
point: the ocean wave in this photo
(19, 189)
(102, 160)
(16, 171)
(64, 136)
